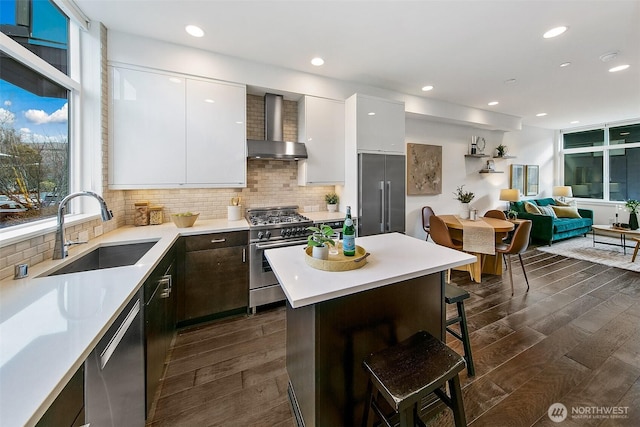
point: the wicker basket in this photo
(184, 221)
(338, 262)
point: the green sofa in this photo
(548, 229)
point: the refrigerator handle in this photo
(388, 206)
(382, 221)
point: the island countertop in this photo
(394, 257)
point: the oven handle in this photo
(279, 245)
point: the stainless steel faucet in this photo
(61, 246)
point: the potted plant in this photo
(332, 200)
(318, 240)
(633, 205)
(501, 150)
(464, 197)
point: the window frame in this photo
(72, 83)
(605, 149)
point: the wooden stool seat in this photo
(407, 372)
(456, 295)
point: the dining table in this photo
(482, 236)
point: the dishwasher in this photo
(114, 373)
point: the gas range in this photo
(272, 224)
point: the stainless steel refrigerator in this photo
(381, 193)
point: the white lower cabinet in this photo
(169, 131)
(321, 128)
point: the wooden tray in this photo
(338, 262)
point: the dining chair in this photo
(427, 213)
(518, 244)
(440, 235)
(495, 213)
(635, 251)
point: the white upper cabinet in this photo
(321, 128)
(379, 125)
(216, 138)
(147, 129)
(168, 131)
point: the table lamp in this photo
(562, 191)
(509, 195)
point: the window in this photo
(603, 163)
(34, 111)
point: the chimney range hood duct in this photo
(273, 147)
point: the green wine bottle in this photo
(348, 235)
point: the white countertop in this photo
(49, 325)
(394, 258)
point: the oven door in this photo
(260, 273)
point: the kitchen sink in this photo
(106, 257)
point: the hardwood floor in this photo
(574, 338)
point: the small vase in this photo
(633, 221)
(332, 207)
(464, 210)
(320, 252)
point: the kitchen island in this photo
(335, 319)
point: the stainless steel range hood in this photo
(274, 146)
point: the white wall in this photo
(530, 146)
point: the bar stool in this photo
(409, 371)
(456, 295)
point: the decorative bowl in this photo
(184, 220)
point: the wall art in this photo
(424, 169)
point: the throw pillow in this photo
(531, 208)
(569, 203)
(547, 210)
(566, 212)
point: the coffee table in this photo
(622, 233)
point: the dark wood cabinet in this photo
(160, 321)
(213, 275)
(68, 408)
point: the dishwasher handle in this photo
(117, 337)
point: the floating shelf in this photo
(489, 171)
(477, 156)
(504, 157)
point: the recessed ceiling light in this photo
(194, 30)
(565, 64)
(493, 103)
(618, 68)
(209, 100)
(427, 88)
(554, 32)
(510, 81)
(541, 114)
(175, 80)
(606, 57)
(575, 122)
(317, 61)
(371, 113)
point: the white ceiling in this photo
(466, 49)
